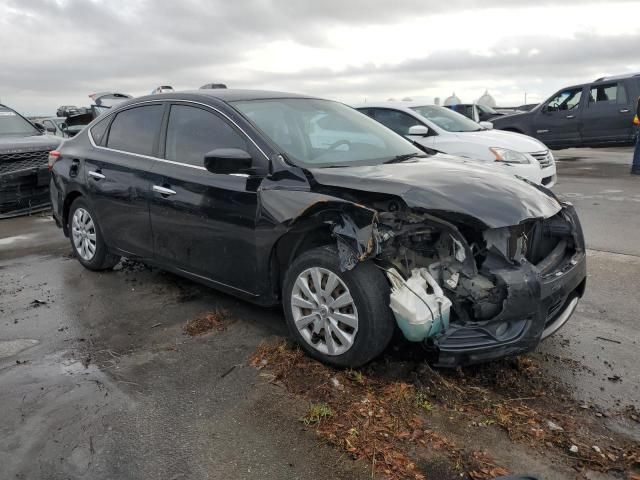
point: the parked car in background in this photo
(475, 111)
(239, 190)
(24, 178)
(65, 110)
(103, 101)
(207, 86)
(57, 126)
(76, 120)
(53, 126)
(162, 89)
(446, 131)
(589, 115)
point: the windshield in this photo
(12, 124)
(447, 119)
(322, 133)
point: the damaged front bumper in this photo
(537, 307)
(540, 299)
(507, 288)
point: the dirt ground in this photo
(137, 373)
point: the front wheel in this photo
(340, 318)
(86, 238)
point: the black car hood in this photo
(448, 185)
(9, 144)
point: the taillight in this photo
(54, 155)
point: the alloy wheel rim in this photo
(324, 311)
(83, 232)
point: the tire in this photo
(366, 338)
(94, 255)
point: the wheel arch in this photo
(66, 206)
(314, 227)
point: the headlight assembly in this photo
(509, 156)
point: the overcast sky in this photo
(59, 51)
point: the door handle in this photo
(571, 116)
(163, 190)
(624, 110)
(97, 175)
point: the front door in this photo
(118, 177)
(558, 122)
(203, 223)
(608, 117)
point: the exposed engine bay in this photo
(473, 272)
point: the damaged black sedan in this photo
(279, 198)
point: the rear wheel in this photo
(86, 238)
(339, 318)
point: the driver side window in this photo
(565, 100)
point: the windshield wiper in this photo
(405, 157)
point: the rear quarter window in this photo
(99, 130)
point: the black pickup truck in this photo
(593, 114)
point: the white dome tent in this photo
(487, 100)
(452, 100)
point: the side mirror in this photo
(418, 131)
(227, 161)
(51, 129)
(486, 125)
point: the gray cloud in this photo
(58, 52)
(525, 61)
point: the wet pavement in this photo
(597, 354)
(97, 379)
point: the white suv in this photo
(449, 132)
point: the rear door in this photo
(608, 117)
(204, 223)
(118, 176)
(558, 122)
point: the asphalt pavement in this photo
(604, 333)
(98, 380)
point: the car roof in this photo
(225, 95)
(390, 104)
(617, 77)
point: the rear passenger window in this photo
(134, 130)
(192, 132)
(607, 94)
